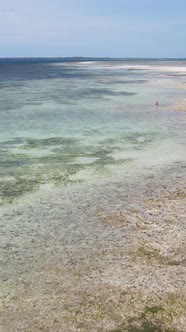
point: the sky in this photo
(97, 28)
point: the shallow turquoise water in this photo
(65, 123)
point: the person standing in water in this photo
(157, 104)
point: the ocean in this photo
(80, 142)
(62, 123)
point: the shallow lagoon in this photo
(82, 150)
(61, 123)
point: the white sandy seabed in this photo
(95, 257)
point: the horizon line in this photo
(90, 57)
(80, 56)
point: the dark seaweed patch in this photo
(108, 92)
(47, 142)
(122, 82)
(145, 327)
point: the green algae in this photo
(10, 189)
(123, 142)
(153, 256)
(14, 187)
(154, 309)
(140, 138)
(23, 171)
(144, 324)
(152, 314)
(145, 327)
(9, 159)
(47, 142)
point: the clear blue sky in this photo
(115, 28)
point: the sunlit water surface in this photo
(65, 123)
